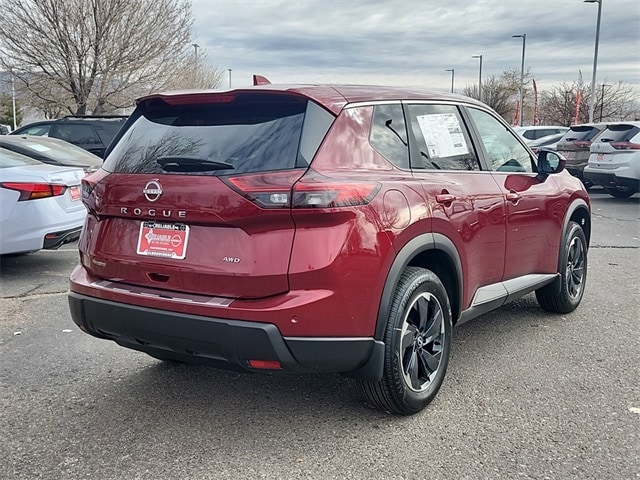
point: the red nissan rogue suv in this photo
(322, 229)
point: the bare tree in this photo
(501, 92)
(615, 101)
(196, 72)
(95, 55)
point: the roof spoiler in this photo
(260, 80)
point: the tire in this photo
(614, 192)
(565, 294)
(417, 342)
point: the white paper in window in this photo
(443, 135)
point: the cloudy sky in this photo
(413, 43)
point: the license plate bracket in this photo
(166, 240)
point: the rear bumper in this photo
(55, 240)
(221, 342)
(611, 180)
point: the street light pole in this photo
(479, 77)
(229, 70)
(195, 69)
(453, 75)
(13, 97)
(592, 103)
(602, 100)
(524, 42)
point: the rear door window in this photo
(441, 138)
(75, 133)
(248, 132)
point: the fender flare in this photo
(416, 246)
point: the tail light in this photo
(625, 145)
(288, 190)
(89, 183)
(331, 194)
(267, 190)
(33, 191)
(582, 143)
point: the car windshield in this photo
(250, 133)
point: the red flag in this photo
(576, 118)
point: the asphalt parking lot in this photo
(527, 394)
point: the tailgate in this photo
(197, 235)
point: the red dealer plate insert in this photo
(166, 240)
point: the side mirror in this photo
(550, 161)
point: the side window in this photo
(441, 137)
(389, 134)
(42, 130)
(78, 134)
(505, 152)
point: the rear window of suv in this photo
(618, 133)
(249, 132)
(581, 133)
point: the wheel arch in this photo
(434, 252)
(579, 213)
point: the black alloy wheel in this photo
(417, 345)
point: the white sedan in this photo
(40, 205)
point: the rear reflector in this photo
(33, 191)
(265, 364)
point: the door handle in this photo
(513, 197)
(445, 198)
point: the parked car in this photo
(40, 205)
(549, 142)
(322, 229)
(574, 147)
(52, 151)
(4, 129)
(535, 132)
(92, 133)
(614, 160)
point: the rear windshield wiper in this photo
(177, 163)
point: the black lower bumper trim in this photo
(609, 180)
(53, 241)
(216, 341)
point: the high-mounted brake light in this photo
(33, 191)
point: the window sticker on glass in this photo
(443, 135)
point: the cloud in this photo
(414, 42)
